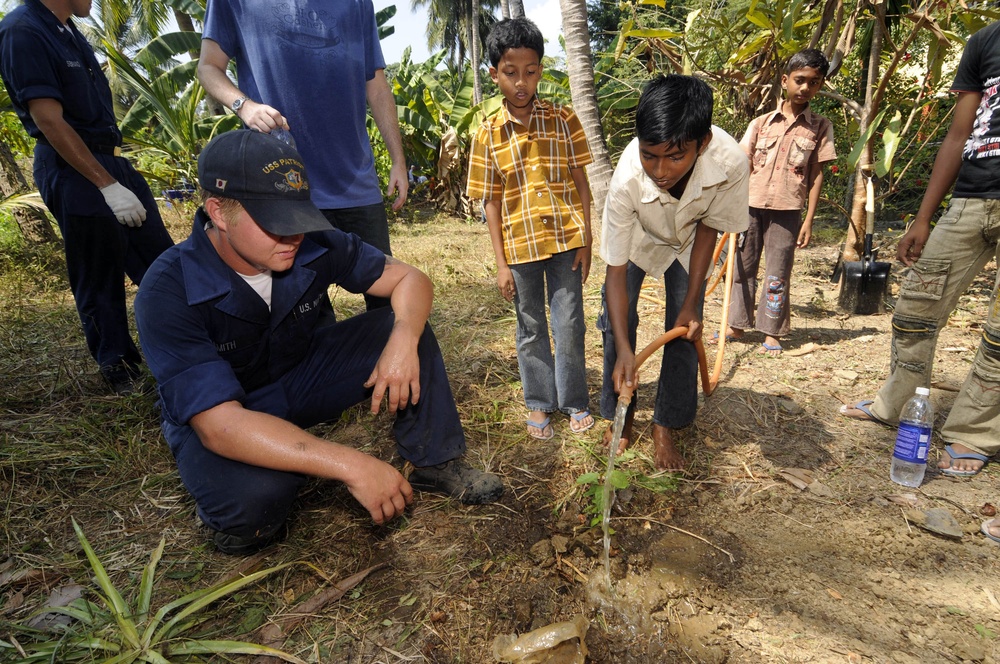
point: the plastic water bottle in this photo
(909, 457)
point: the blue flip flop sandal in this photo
(580, 417)
(863, 407)
(950, 472)
(985, 530)
(537, 429)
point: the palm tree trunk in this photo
(516, 8)
(580, 68)
(477, 86)
(34, 225)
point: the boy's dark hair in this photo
(808, 57)
(514, 33)
(674, 109)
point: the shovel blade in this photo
(863, 287)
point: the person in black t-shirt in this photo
(943, 263)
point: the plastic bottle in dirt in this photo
(909, 457)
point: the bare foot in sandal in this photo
(540, 425)
(666, 456)
(581, 421)
(626, 438)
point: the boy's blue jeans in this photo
(677, 388)
(558, 383)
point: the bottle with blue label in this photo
(909, 457)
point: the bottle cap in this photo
(923, 391)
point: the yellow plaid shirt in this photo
(528, 169)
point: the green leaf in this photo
(230, 648)
(890, 141)
(589, 478)
(619, 479)
(146, 582)
(192, 8)
(653, 33)
(985, 631)
(119, 609)
(166, 46)
(859, 146)
(197, 600)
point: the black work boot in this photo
(123, 378)
(238, 545)
(459, 480)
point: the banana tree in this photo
(168, 115)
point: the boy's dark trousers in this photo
(677, 387)
(775, 232)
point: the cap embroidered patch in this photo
(220, 184)
(292, 181)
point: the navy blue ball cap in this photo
(266, 176)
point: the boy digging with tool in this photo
(676, 186)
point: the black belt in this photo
(113, 150)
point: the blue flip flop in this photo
(863, 407)
(985, 530)
(968, 455)
(580, 417)
(766, 347)
(541, 427)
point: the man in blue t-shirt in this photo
(308, 67)
(943, 263)
(110, 224)
(239, 333)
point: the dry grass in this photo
(455, 577)
(68, 450)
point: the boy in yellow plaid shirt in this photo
(527, 165)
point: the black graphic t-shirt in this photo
(979, 71)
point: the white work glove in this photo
(124, 204)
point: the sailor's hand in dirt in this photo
(379, 487)
(505, 282)
(690, 319)
(912, 244)
(396, 376)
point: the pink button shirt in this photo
(783, 151)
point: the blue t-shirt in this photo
(208, 337)
(979, 71)
(42, 59)
(310, 59)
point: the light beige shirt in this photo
(651, 228)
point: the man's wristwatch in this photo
(238, 104)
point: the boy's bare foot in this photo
(626, 438)
(732, 334)
(540, 425)
(666, 456)
(581, 421)
(771, 346)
